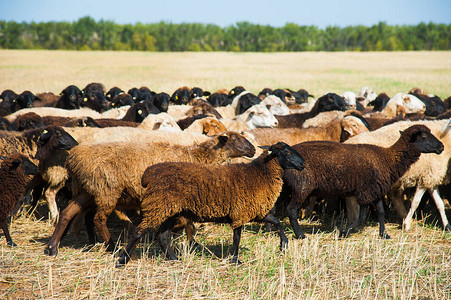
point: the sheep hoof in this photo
(283, 246)
(385, 236)
(236, 261)
(11, 244)
(121, 262)
(300, 236)
(51, 251)
(448, 227)
(344, 233)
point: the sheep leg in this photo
(126, 253)
(190, 230)
(396, 196)
(381, 217)
(50, 197)
(362, 217)
(9, 241)
(73, 208)
(236, 244)
(100, 219)
(407, 223)
(283, 238)
(440, 206)
(164, 238)
(292, 212)
(352, 209)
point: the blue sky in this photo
(223, 13)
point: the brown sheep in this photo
(336, 130)
(208, 126)
(98, 176)
(363, 171)
(13, 179)
(234, 194)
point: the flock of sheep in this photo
(225, 157)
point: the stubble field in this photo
(411, 265)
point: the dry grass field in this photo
(411, 265)
(318, 72)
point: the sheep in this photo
(5, 125)
(301, 96)
(240, 103)
(265, 92)
(217, 99)
(327, 102)
(208, 126)
(197, 92)
(22, 142)
(54, 143)
(336, 130)
(161, 121)
(13, 179)
(284, 95)
(428, 173)
(181, 95)
(434, 105)
(368, 94)
(408, 104)
(48, 99)
(379, 102)
(8, 103)
(365, 172)
(113, 92)
(275, 105)
(350, 98)
(71, 98)
(98, 178)
(96, 100)
(203, 108)
(94, 87)
(161, 101)
(122, 100)
(256, 116)
(28, 121)
(234, 194)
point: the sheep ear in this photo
(222, 140)
(15, 164)
(264, 147)
(207, 93)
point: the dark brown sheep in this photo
(13, 179)
(234, 194)
(363, 171)
(98, 176)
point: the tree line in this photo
(87, 34)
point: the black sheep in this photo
(71, 98)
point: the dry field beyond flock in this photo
(413, 264)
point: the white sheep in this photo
(161, 121)
(275, 105)
(350, 98)
(256, 116)
(405, 104)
